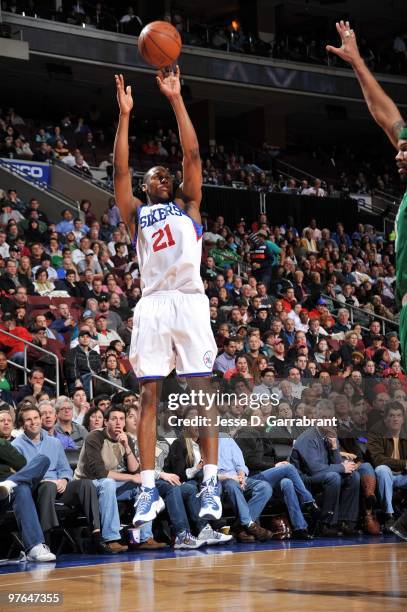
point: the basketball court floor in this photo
(364, 574)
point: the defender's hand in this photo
(124, 97)
(169, 82)
(349, 51)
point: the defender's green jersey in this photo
(401, 274)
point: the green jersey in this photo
(401, 274)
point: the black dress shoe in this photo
(312, 509)
(329, 531)
(348, 530)
(301, 534)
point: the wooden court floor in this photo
(366, 578)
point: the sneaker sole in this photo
(156, 507)
(210, 516)
(186, 547)
(216, 542)
(398, 533)
(41, 560)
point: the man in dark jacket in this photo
(259, 455)
(317, 457)
(18, 480)
(11, 280)
(81, 362)
(36, 384)
(387, 451)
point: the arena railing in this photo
(363, 313)
(105, 381)
(25, 368)
(51, 191)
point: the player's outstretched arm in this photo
(191, 188)
(125, 199)
(381, 106)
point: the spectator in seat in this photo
(111, 373)
(81, 167)
(8, 380)
(42, 284)
(18, 483)
(126, 329)
(105, 335)
(80, 362)
(247, 495)
(316, 455)
(387, 450)
(66, 428)
(259, 456)
(36, 384)
(114, 320)
(48, 422)
(57, 482)
(69, 284)
(342, 323)
(80, 405)
(13, 345)
(65, 323)
(6, 425)
(226, 360)
(93, 419)
(36, 356)
(11, 280)
(108, 457)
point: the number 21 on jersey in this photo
(162, 239)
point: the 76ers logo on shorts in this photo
(208, 359)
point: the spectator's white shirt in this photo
(361, 277)
(394, 355)
(311, 191)
(4, 250)
(77, 256)
(302, 327)
(112, 250)
(341, 298)
(211, 237)
(315, 233)
(70, 160)
(293, 315)
(106, 339)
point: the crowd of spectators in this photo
(82, 143)
(280, 308)
(388, 55)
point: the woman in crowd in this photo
(93, 419)
(42, 285)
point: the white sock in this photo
(147, 478)
(210, 471)
(10, 484)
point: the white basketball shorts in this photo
(172, 330)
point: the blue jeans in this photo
(28, 479)
(340, 500)
(174, 502)
(189, 492)
(386, 481)
(109, 492)
(258, 492)
(292, 488)
(366, 469)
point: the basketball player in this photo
(171, 321)
(387, 115)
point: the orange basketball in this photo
(160, 44)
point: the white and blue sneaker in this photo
(147, 506)
(211, 537)
(185, 539)
(211, 507)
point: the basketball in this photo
(159, 44)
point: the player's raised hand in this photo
(124, 97)
(169, 82)
(348, 51)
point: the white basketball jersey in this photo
(169, 249)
